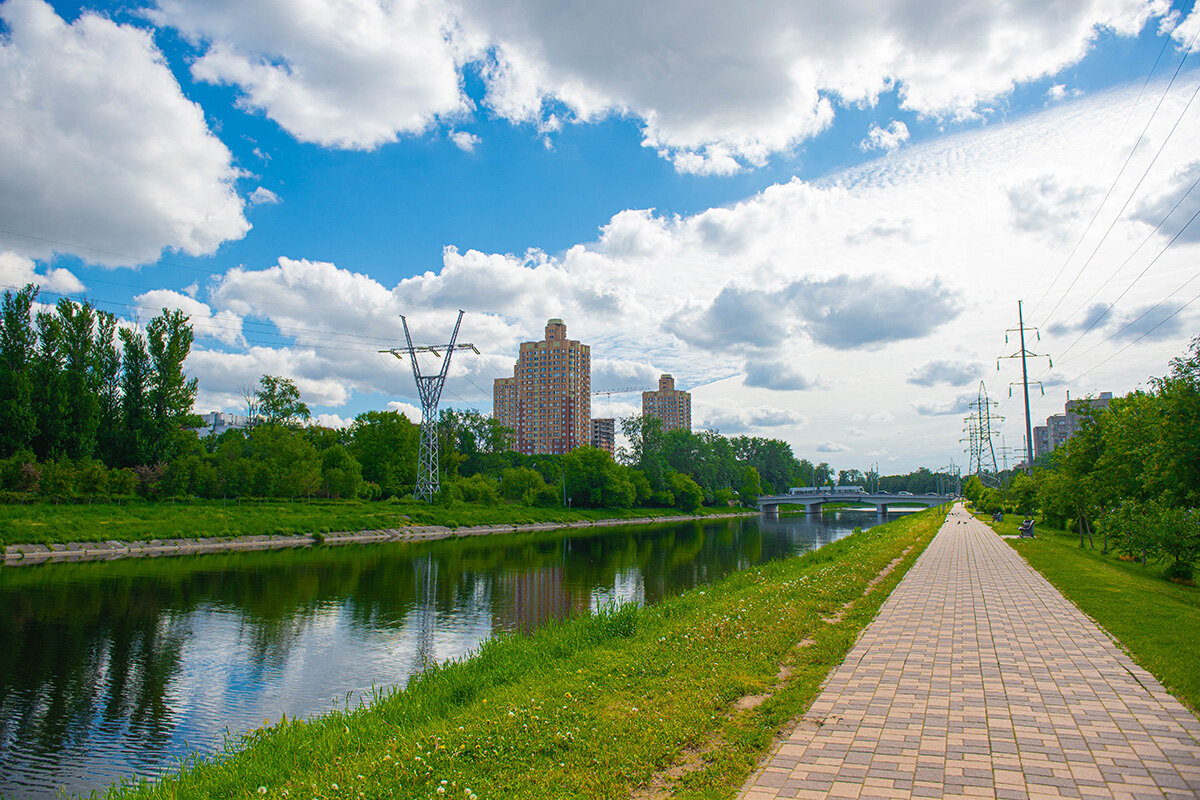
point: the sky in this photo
(821, 219)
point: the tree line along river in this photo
(118, 669)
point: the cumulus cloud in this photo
(263, 196)
(832, 447)
(1179, 199)
(881, 229)
(16, 271)
(951, 373)
(887, 139)
(113, 182)
(353, 74)
(358, 73)
(841, 312)
(741, 420)
(1158, 320)
(224, 326)
(407, 409)
(959, 404)
(778, 375)
(1041, 205)
(464, 141)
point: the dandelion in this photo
(441, 790)
(262, 790)
(333, 786)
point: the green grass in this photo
(46, 523)
(592, 707)
(1157, 621)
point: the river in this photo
(118, 669)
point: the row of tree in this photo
(75, 384)
(95, 408)
(1130, 476)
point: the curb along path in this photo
(979, 679)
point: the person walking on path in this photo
(979, 679)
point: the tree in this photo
(81, 395)
(341, 475)
(277, 402)
(106, 381)
(385, 444)
(137, 422)
(18, 343)
(169, 339)
(751, 487)
(48, 395)
(594, 480)
(688, 495)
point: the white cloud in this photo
(464, 141)
(224, 326)
(887, 139)
(1187, 32)
(952, 373)
(766, 281)
(832, 447)
(114, 182)
(353, 74)
(407, 409)
(263, 196)
(16, 271)
(715, 91)
(730, 421)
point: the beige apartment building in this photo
(673, 406)
(548, 401)
(604, 434)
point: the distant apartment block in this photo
(547, 403)
(217, 422)
(1061, 427)
(604, 434)
(673, 406)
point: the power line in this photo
(1125, 205)
(1113, 304)
(1128, 158)
(1145, 333)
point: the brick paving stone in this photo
(979, 679)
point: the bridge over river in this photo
(813, 500)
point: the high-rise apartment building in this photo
(1061, 427)
(547, 403)
(604, 434)
(673, 406)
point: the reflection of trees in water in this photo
(66, 674)
(99, 644)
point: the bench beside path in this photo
(979, 679)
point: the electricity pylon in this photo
(429, 388)
(986, 448)
(1024, 355)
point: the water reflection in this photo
(122, 668)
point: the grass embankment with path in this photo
(1157, 622)
(47, 523)
(679, 699)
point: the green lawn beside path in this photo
(1158, 622)
(47, 523)
(594, 707)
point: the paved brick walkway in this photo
(978, 679)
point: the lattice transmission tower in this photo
(429, 388)
(979, 431)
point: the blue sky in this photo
(821, 217)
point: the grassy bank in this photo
(1157, 621)
(45, 523)
(594, 707)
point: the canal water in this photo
(119, 669)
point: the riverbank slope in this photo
(687, 694)
(34, 534)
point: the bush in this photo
(478, 489)
(688, 494)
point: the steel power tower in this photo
(429, 387)
(1024, 355)
(985, 449)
